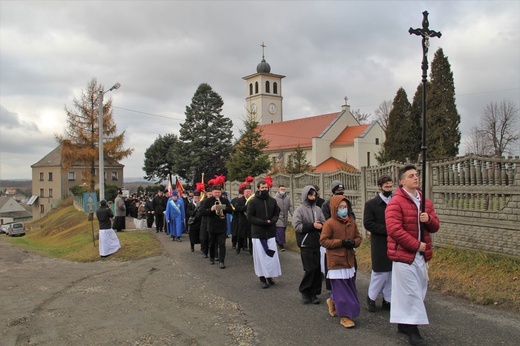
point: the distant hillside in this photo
(16, 184)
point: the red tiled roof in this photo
(348, 134)
(332, 165)
(293, 133)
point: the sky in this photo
(161, 51)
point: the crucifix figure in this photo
(425, 33)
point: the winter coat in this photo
(259, 210)
(104, 214)
(334, 231)
(374, 222)
(120, 208)
(214, 222)
(402, 226)
(285, 205)
(243, 228)
(303, 221)
(159, 204)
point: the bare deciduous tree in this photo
(362, 118)
(382, 113)
(474, 143)
(498, 130)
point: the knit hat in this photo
(336, 184)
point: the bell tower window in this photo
(256, 87)
(250, 88)
(275, 88)
(267, 87)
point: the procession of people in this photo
(326, 234)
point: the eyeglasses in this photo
(342, 207)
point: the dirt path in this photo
(178, 298)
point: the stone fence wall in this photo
(477, 198)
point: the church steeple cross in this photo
(263, 47)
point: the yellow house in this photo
(51, 181)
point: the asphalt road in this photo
(178, 298)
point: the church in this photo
(331, 142)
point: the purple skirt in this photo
(344, 296)
(280, 235)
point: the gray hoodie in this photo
(303, 221)
(284, 203)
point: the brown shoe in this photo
(332, 308)
(347, 322)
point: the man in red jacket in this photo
(410, 249)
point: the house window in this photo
(41, 192)
(275, 88)
(368, 159)
(114, 175)
(72, 176)
(377, 141)
(42, 209)
(41, 176)
(267, 87)
(250, 88)
(50, 193)
(256, 87)
(50, 176)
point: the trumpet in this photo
(219, 209)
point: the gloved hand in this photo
(348, 243)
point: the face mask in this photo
(311, 201)
(339, 193)
(264, 192)
(342, 213)
(282, 193)
(387, 193)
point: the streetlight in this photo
(101, 168)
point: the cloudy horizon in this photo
(161, 51)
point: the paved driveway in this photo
(178, 298)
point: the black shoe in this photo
(415, 337)
(403, 328)
(212, 260)
(233, 247)
(386, 305)
(205, 255)
(156, 231)
(238, 251)
(192, 249)
(371, 305)
(264, 284)
(270, 281)
(314, 299)
(222, 266)
(306, 299)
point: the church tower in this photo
(264, 94)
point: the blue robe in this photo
(173, 219)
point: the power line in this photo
(151, 114)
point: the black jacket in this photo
(104, 214)
(259, 210)
(159, 204)
(374, 222)
(243, 226)
(216, 224)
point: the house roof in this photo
(348, 134)
(293, 133)
(332, 165)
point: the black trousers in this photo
(149, 220)
(204, 240)
(311, 281)
(159, 222)
(217, 240)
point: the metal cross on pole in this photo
(426, 33)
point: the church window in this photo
(250, 88)
(275, 88)
(256, 87)
(267, 87)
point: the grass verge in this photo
(478, 277)
(66, 233)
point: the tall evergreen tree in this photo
(442, 117)
(248, 158)
(80, 143)
(158, 163)
(416, 121)
(205, 137)
(398, 137)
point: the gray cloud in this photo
(160, 51)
